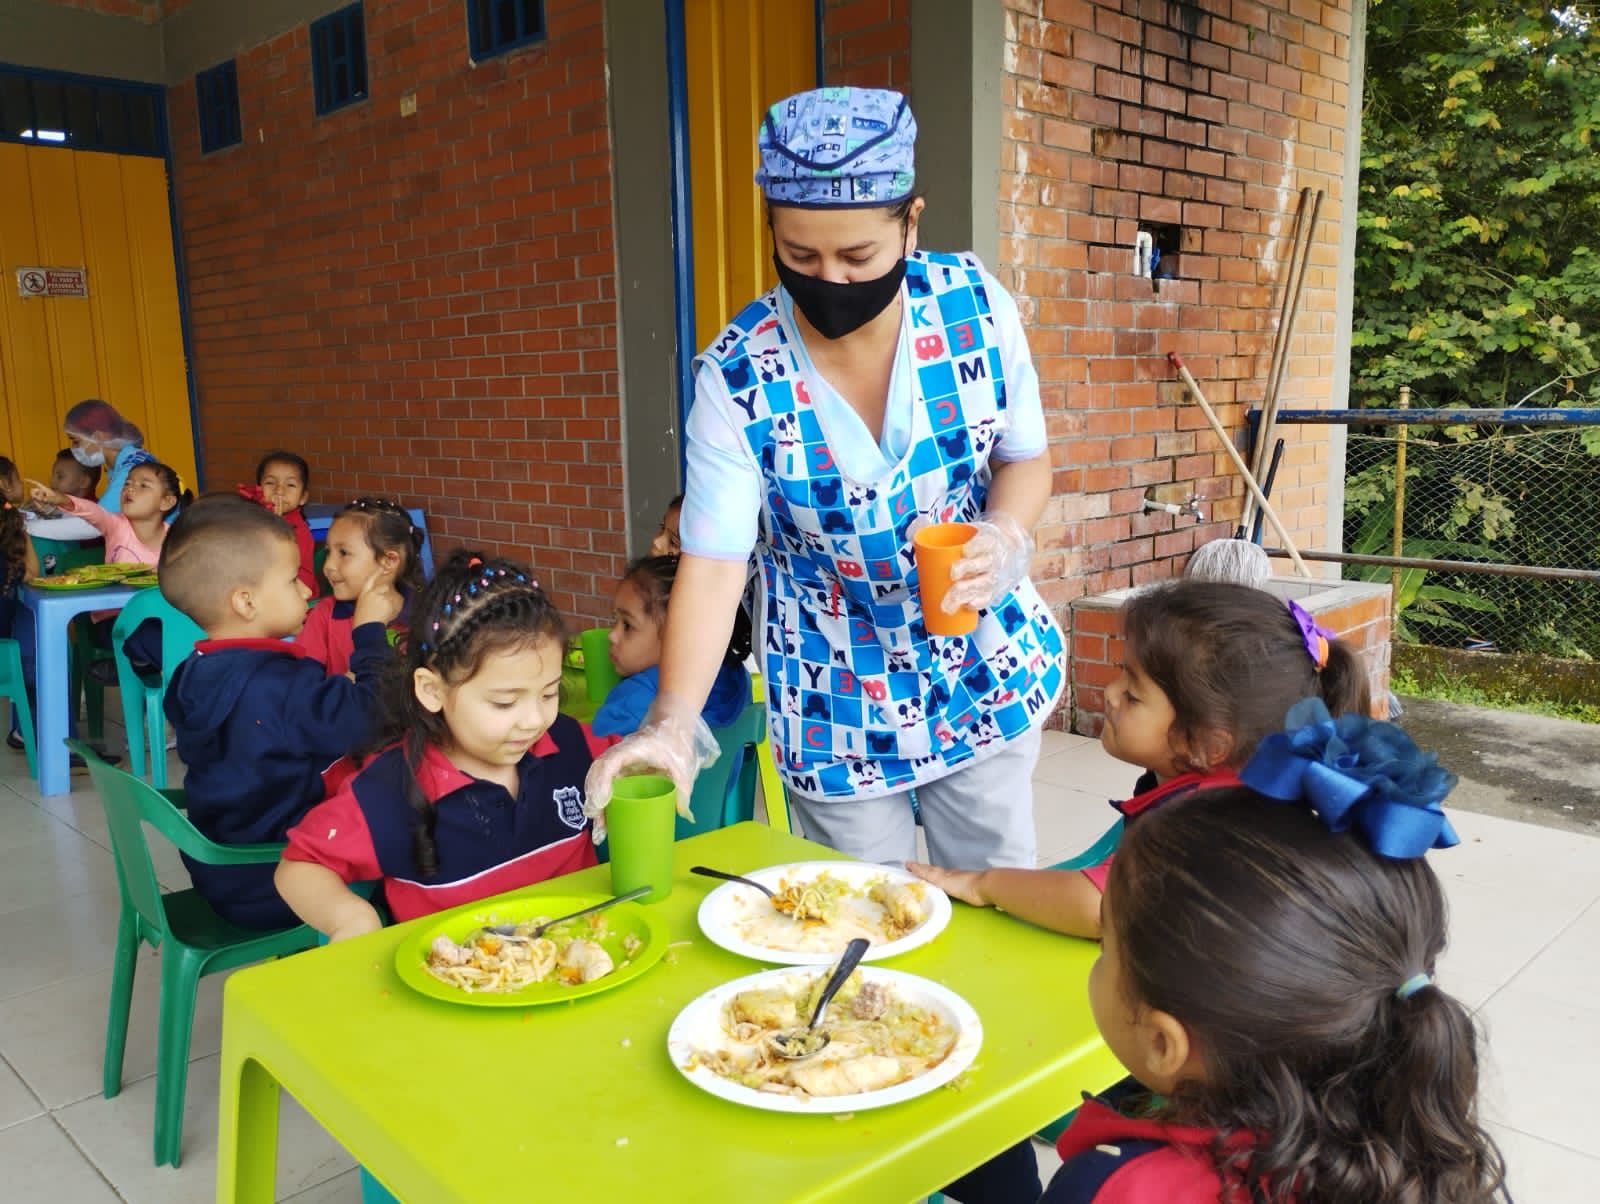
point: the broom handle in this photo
(1239, 464)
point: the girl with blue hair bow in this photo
(878, 387)
(1266, 977)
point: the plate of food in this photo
(456, 960)
(892, 1037)
(94, 576)
(821, 906)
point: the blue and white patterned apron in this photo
(861, 700)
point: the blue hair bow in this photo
(1359, 773)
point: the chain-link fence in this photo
(1495, 495)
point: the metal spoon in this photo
(796, 1043)
(707, 872)
(510, 930)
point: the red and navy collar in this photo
(1097, 1124)
(249, 644)
(1165, 792)
(438, 775)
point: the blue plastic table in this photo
(320, 517)
(53, 612)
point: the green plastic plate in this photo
(410, 960)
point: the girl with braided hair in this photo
(474, 785)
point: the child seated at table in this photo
(474, 786)
(665, 541)
(17, 560)
(1266, 977)
(1209, 669)
(370, 539)
(283, 485)
(638, 619)
(257, 722)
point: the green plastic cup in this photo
(641, 820)
(599, 675)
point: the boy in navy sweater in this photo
(256, 723)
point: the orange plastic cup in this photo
(937, 548)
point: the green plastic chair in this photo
(720, 797)
(194, 940)
(141, 702)
(12, 686)
(764, 765)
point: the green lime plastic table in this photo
(579, 1101)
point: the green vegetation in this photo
(1478, 285)
(1454, 689)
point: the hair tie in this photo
(1356, 774)
(1316, 637)
(1412, 985)
(474, 561)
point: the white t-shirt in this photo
(722, 504)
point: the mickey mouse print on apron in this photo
(862, 700)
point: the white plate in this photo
(724, 909)
(699, 1026)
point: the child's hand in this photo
(43, 493)
(966, 885)
(378, 601)
(356, 918)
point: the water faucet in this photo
(1190, 507)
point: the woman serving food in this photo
(876, 390)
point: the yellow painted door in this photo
(123, 343)
(740, 56)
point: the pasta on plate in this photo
(566, 955)
(822, 913)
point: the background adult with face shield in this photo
(878, 387)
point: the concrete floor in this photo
(1531, 768)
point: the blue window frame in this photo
(216, 94)
(339, 59)
(496, 26)
(81, 113)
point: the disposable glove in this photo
(991, 564)
(673, 741)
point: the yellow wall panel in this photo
(741, 56)
(124, 343)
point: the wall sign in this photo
(52, 282)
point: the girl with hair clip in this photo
(638, 621)
(474, 785)
(370, 537)
(1209, 670)
(1266, 976)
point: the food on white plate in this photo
(876, 1039)
(822, 913)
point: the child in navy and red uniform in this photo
(475, 786)
(1266, 976)
(256, 721)
(1209, 670)
(283, 484)
(370, 538)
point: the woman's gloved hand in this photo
(991, 564)
(673, 741)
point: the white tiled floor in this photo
(1525, 904)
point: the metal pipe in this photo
(1397, 543)
(1446, 566)
(1543, 416)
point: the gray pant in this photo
(978, 817)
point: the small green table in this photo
(579, 1101)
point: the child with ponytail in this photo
(1266, 977)
(475, 784)
(1209, 669)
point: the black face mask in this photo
(836, 310)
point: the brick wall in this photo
(1356, 611)
(1208, 117)
(867, 43)
(422, 306)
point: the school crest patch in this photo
(569, 805)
